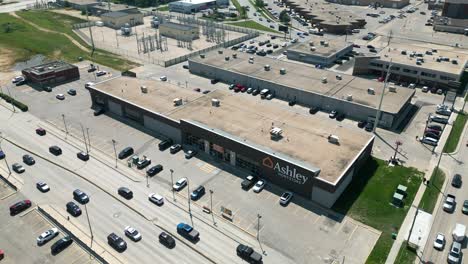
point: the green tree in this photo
(243, 12)
(259, 3)
(284, 17)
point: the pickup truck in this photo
(248, 254)
(248, 182)
(449, 204)
(187, 231)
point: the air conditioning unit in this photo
(226, 58)
(144, 89)
(324, 80)
(371, 91)
(334, 139)
(283, 71)
(311, 43)
(313, 49)
(349, 97)
(339, 77)
(215, 102)
(234, 55)
(276, 133)
(177, 101)
(202, 56)
(392, 89)
(267, 67)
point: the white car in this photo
(47, 236)
(163, 78)
(60, 96)
(18, 79)
(88, 84)
(101, 73)
(156, 198)
(180, 184)
(42, 186)
(132, 233)
(424, 89)
(285, 198)
(258, 187)
(439, 242)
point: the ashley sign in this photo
(286, 172)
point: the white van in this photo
(264, 92)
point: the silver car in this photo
(454, 254)
(47, 236)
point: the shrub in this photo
(14, 102)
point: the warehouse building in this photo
(319, 51)
(258, 136)
(51, 73)
(97, 8)
(118, 19)
(455, 9)
(193, 6)
(355, 97)
(179, 31)
(376, 3)
(434, 67)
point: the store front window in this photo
(195, 141)
(248, 164)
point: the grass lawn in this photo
(405, 255)
(368, 200)
(456, 133)
(24, 41)
(253, 25)
(429, 199)
(163, 8)
(238, 6)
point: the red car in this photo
(237, 89)
(243, 89)
(40, 131)
(19, 207)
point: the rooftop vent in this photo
(349, 97)
(325, 44)
(202, 55)
(283, 71)
(215, 102)
(371, 91)
(392, 89)
(334, 139)
(339, 77)
(313, 49)
(144, 89)
(177, 101)
(234, 55)
(267, 67)
(403, 52)
(226, 58)
(220, 51)
(311, 43)
(454, 61)
(276, 133)
(322, 42)
(324, 80)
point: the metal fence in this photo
(84, 25)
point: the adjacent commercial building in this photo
(179, 31)
(311, 156)
(436, 66)
(118, 19)
(376, 3)
(355, 97)
(457, 9)
(193, 6)
(97, 8)
(51, 73)
(319, 51)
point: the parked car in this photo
(439, 119)
(206, 91)
(60, 96)
(2, 155)
(454, 255)
(180, 184)
(88, 85)
(197, 193)
(429, 141)
(126, 152)
(285, 198)
(47, 236)
(362, 123)
(101, 73)
(214, 81)
(80, 196)
(190, 153)
(444, 111)
(248, 182)
(431, 135)
(132, 233)
(82, 156)
(175, 148)
(165, 144)
(340, 117)
(98, 111)
(465, 207)
(71, 92)
(435, 127)
(18, 79)
(42, 186)
(73, 209)
(457, 180)
(60, 245)
(313, 110)
(369, 127)
(154, 170)
(20, 207)
(439, 241)
(333, 114)
(187, 231)
(166, 240)
(449, 204)
(156, 198)
(432, 131)
(56, 150)
(269, 96)
(143, 163)
(424, 89)
(18, 168)
(185, 66)
(116, 242)
(197, 90)
(248, 254)
(258, 187)
(40, 131)
(125, 193)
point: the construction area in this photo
(162, 39)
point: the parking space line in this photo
(354, 230)
(316, 219)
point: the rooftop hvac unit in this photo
(267, 67)
(313, 49)
(40, 69)
(392, 89)
(234, 55)
(215, 102)
(454, 62)
(144, 89)
(202, 55)
(283, 71)
(220, 51)
(325, 44)
(349, 97)
(99, 23)
(334, 139)
(177, 101)
(339, 77)
(324, 80)
(276, 133)
(311, 43)
(403, 52)
(226, 58)
(322, 41)
(371, 91)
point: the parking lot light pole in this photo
(211, 206)
(89, 224)
(172, 185)
(188, 198)
(84, 138)
(115, 152)
(258, 232)
(65, 124)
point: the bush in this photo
(12, 101)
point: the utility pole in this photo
(115, 152)
(89, 140)
(84, 138)
(377, 117)
(188, 198)
(211, 206)
(172, 185)
(89, 224)
(65, 124)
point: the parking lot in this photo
(19, 235)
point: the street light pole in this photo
(84, 138)
(65, 124)
(89, 140)
(188, 198)
(115, 152)
(89, 224)
(172, 185)
(211, 206)
(379, 110)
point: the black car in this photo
(82, 156)
(165, 144)
(362, 124)
(40, 131)
(116, 242)
(197, 193)
(313, 110)
(185, 66)
(125, 193)
(214, 81)
(98, 111)
(435, 127)
(457, 180)
(340, 117)
(369, 127)
(20, 207)
(73, 209)
(370, 47)
(143, 163)
(28, 160)
(431, 135)
(292, 102)
(60, 245)
(71, 92)
(167, 240)
(55, 150)
(80, 196)
(248, 182)
(126, 152)
(175, 148)
(154, 170)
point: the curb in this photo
(460, 142)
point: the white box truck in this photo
(459, 233)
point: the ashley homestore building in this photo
(237, 130)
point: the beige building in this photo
(118, 19)
(179, 31)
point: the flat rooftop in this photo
(179, 26)
(307, 78)
(393, 53)
(194, 2)
(49, 67)
(251, 120)
(333, 46)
